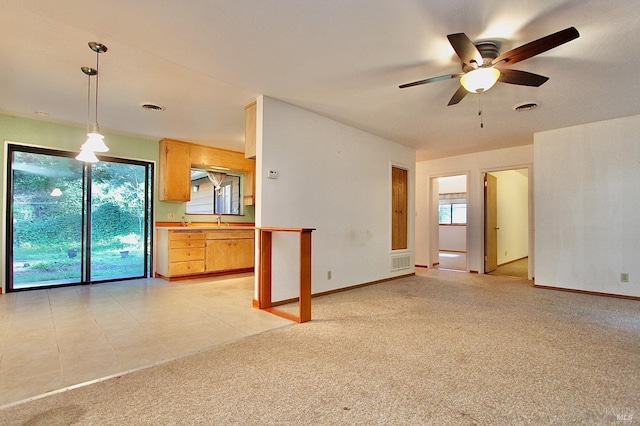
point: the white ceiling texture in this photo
(203, 60)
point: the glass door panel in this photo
(45, 220)
(118, 225)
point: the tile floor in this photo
(56, 338)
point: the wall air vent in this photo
(152, 107)
(400, 262)
(525, 106)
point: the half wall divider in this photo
(265, 268)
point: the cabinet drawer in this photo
(177, 244)
(183, 268)
(186, 254)
(233, 234)
(185, 235)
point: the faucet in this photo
(218, 218)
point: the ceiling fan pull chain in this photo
(480, 110)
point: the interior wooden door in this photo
(399, 214)
(490, 223)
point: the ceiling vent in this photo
(152, 107)
(525, 106)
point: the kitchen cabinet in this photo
(175, 171)
(184, 252)
(180, 252)
(177, 157)
(250, 112)
(228, 250)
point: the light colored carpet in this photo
(517, 269)
(443, 348)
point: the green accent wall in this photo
(64, 137)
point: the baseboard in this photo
(205, 274)
(352, 287)
(592, 293)
(338, 290)
(512, 261)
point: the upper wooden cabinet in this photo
(250, 130)
(177, 157)
(175, 171)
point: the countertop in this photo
(222, 227)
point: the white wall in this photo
(449, 184)
(513, 214)
(453, 238)
(474, 165)
(587, 206)
(336, 179)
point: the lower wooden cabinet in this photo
(196, 252)
(229, 254)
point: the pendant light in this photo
(95, 141)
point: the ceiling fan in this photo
(483, 65)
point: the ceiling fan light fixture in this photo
(480, 80)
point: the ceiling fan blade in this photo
(458, 96)
(465, 49)
(522, 78)
(430, 80)
(536, 47)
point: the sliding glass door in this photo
(71, 223)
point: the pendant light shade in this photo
(480, 80)
(87, 156)
(95, 141)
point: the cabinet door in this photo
(399, 217)
(244, 253)
(218, 255)
(250, 130)
(229, 254)
(175, 171)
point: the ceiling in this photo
(203, 60)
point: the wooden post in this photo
(305, 275)
(265, 268)
(264, 277)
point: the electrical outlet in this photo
(328, 275)
(171, 215)
(505, 253)
(624, 277)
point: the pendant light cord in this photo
(97, 76)
(88, 103)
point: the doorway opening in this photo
(452, 223)
(507, 223)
